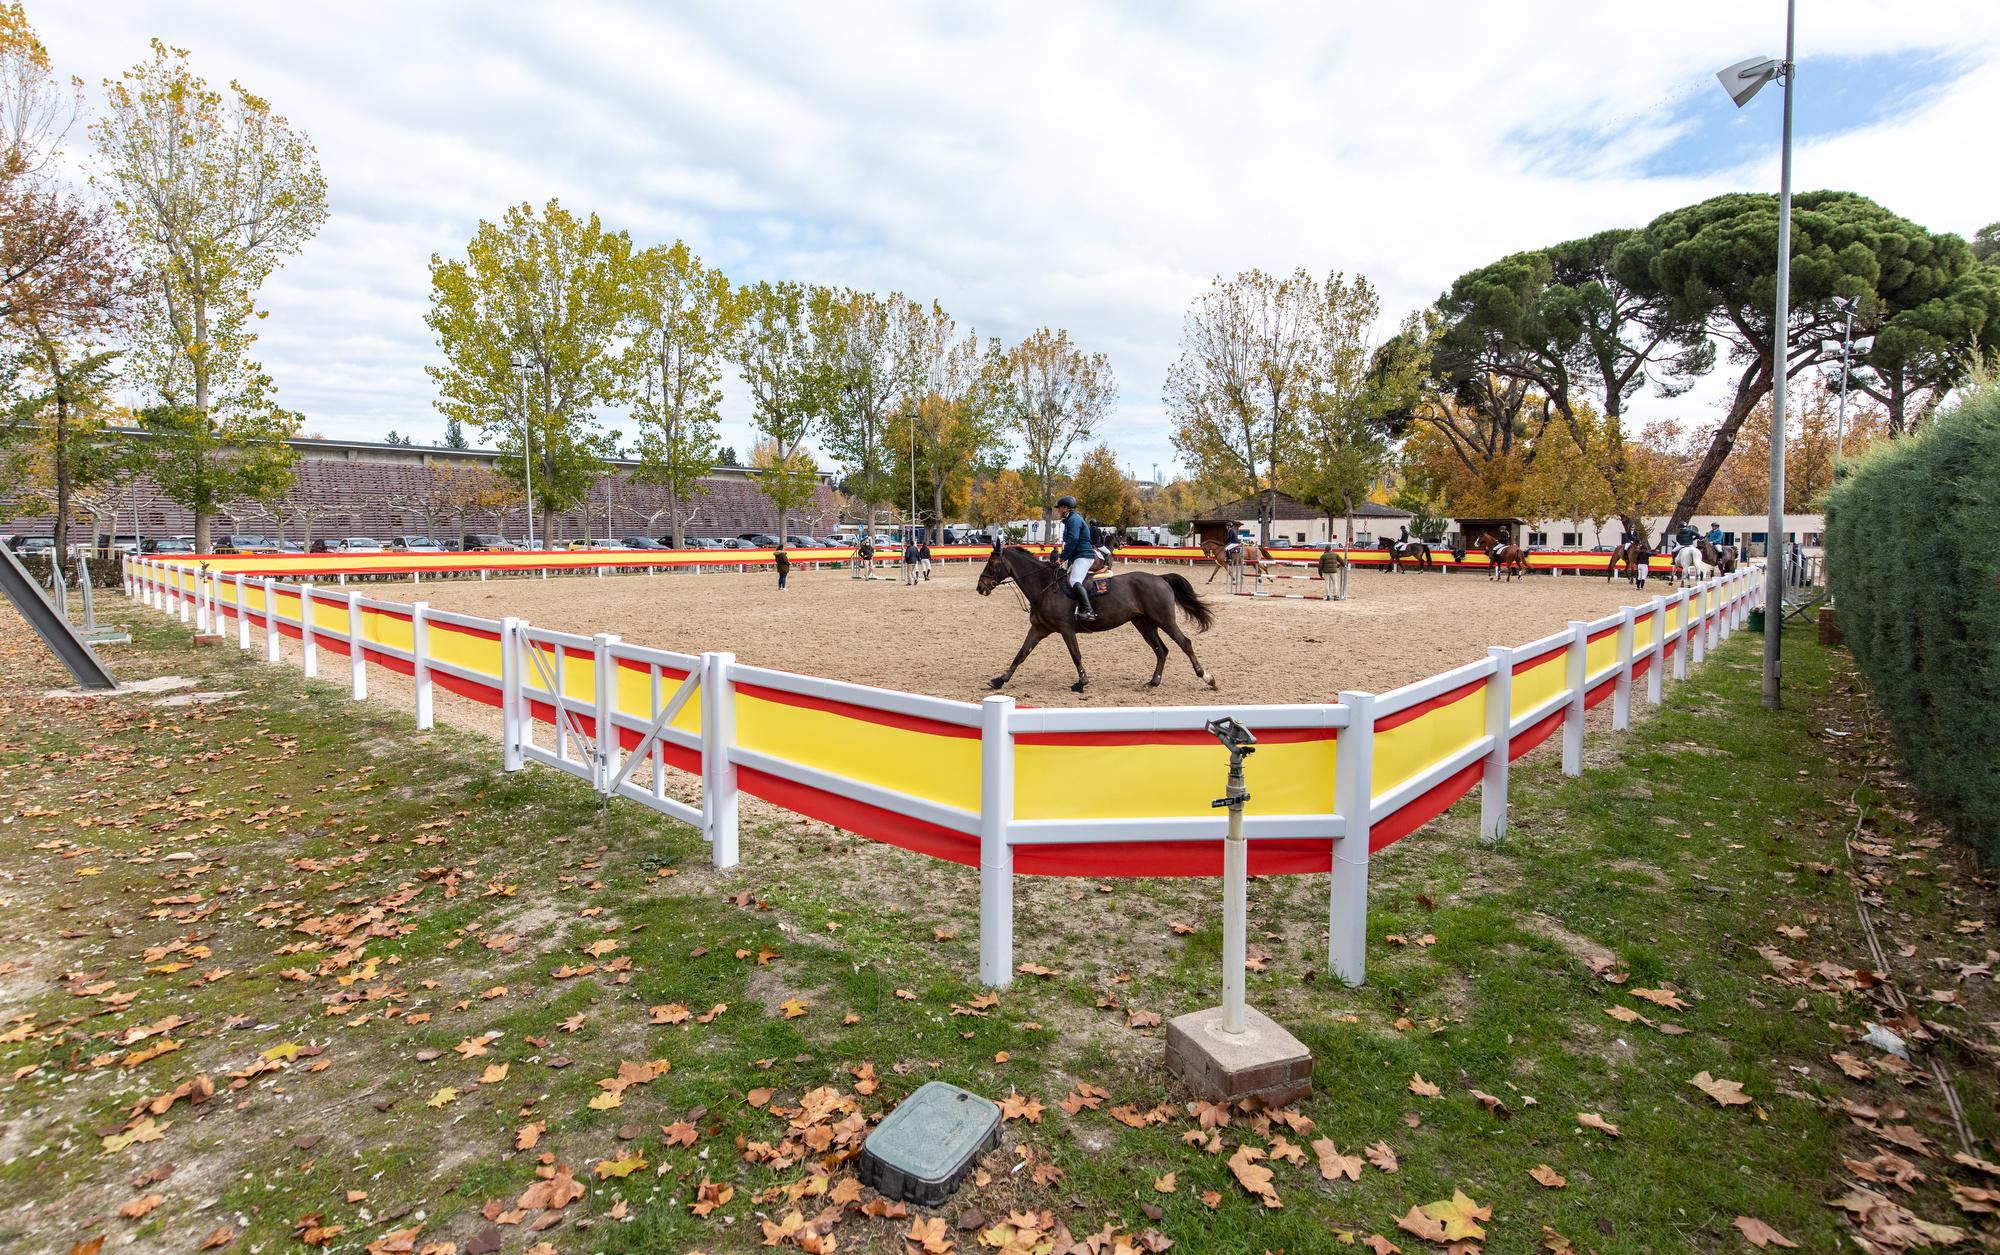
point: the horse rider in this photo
(1076, 554)
(1506, 539)
(1402, 542)
(1685, 536)
(1715, 535)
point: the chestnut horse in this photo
(1504, 558)
(1637, 558)
(1254, 557)
(1140, 598)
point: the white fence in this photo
(989, 784)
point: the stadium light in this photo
(1743, 81)
(1845, 346)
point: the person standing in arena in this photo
(783, 561)
(924, 553)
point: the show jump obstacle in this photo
(985, 784)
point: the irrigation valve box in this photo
(926, 1146)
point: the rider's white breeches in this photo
(1079, 569)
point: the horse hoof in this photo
(1210, 681)
(998, 681)
(1153, 683)
(1079, 686)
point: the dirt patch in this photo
(1583, 949)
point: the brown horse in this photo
(1504, 557)
(1721, 557)
(1254, 557)
(1140, 598)
(1508, 560)
(1637, 558)
(1418, 551)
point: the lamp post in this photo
(1743, 81)
(521, 367)
(1848, 305)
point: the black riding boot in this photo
(1084, 610)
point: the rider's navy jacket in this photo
(1076, 538)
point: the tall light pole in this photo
(521, 367)
(1743, 81)
(1847, 305)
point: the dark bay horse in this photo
(1140, 598)
(1417, 550)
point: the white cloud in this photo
(1083, 166)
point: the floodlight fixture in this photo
(1746, 78)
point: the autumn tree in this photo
(1000, 500)
(1100, 489)
(1561, 323)
(1055, 398)
(953, 419)
(1714, 261)
(683, 317)
(873, 372)
(64, 289)
(1238, 391)
(786, 367)
(1338, 447)
(532, 324)
(466, 489)
(214, 192)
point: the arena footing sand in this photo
(941, 638)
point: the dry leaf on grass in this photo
(1421, 1087)
(1548, 1176)
(1761, 1235)
(1332, 1164)
(1591, 1120)
(1725, 1093)
(1254, 1177)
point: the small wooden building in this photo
(1467, 531)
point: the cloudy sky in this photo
(1083, 166)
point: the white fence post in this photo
(271, 633)
(242, 615)
(201, 602)
(308, 641)
(606, 669)
(1579, 644)
(1621, 691)
(512, 710)
(420, 660)
(1353, 790)
(1655, 671)
(1499, 726)
(996, 856)
(1698, 619)
(1681, 636)
(718, 737)
(357, 660)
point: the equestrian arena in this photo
(943, 639)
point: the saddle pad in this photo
(1099, 587)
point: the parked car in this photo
(758, 540)
(414, 544)
(700, 542)
(640, 542)
(733, 542)
(484, 542)
(803, 542)
(240, 542)
(290, 546)
(166, 544)
(593, 543)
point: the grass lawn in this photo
(278, 972)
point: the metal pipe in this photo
(1774, 581)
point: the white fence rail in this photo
(630, 719)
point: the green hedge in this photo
(1913, 558)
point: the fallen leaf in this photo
(793, 1008)
(1591, 1120)
(1421, 1087)
(528, 1136)
(1725, 1093)
(1254, 1177)
(1460, 1216)
(1165, 1184)
(1761, 1235)
(1383, 1156)
(1332, 1164)
(138, 1208)
(1548, 1176)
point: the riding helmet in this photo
(1062, 502)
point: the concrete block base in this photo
(209, 638)
(1263, 1061)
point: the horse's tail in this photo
(1193, 608)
